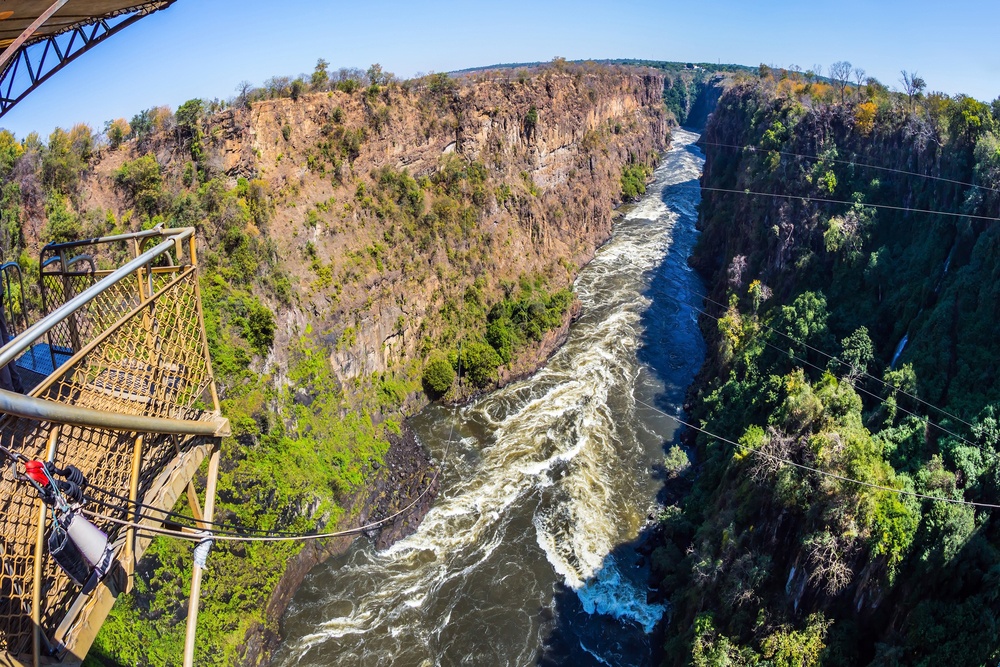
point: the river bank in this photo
(406, 484)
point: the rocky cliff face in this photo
(551, 146)
(385, 224)
(586, 129)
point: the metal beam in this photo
(29, 31)
(27, 64)
(40, 409)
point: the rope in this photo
(200, 535)
(168, 515)
(754, 149)
(823, 200)
(10, 454)
(824, 473)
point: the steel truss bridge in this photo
(40, 37)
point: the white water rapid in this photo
(528, 555)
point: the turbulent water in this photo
(528, 555)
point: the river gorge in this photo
(528, 555)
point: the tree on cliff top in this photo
(913, 86)
(840, 72)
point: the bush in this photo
(63, 225)
(531, 121)
(634, 181)
(501, 334)
(348, 86)
(479, 363)
(438, 377)
(142, 181)
(259, 326)
(676, 461)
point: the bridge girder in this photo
(46, 49)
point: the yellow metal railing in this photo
(130, 390)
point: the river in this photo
(528, 554)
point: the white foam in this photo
(610, 592)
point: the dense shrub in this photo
(438, 376)
(633, 180)
(142, 182)
(479, 363)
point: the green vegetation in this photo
(530, 121)
(142, 181)
(766, 563)
(293, 446)
(459, 233)
(438, 376)
(633, 179)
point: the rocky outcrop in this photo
(562, 170)
(707, 98)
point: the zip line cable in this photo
(270, 536)
(181, 520)
(873, 395)
(174, 517)
(200, 536)
(760, 149)
(921, 418)
(807, 198)
(832, 357)
(824, 473)
(841, 361)
(924, 419)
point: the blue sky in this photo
(203, 48)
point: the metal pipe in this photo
(82, 258)
(11, 351)
(40, 409)
(96, 240)
(192, 619)
(36, 590)
(133, 496)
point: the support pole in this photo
(133, 496)
(36, 588)
(74, 325)
(192, 620)
(192, 495)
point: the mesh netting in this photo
(126, 353)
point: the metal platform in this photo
(127, 395)
(43, 359)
